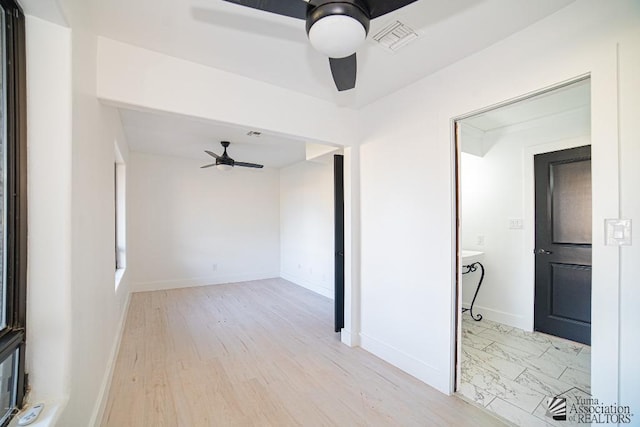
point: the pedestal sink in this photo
(469, 257)
(471, 262)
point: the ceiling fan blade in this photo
(344, 72)
(207, 166)
(292, 8)
(212, 154)
(382, 7)
(248, 165)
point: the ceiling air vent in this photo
(395, 35)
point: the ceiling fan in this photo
(335, 28)
(225, 162)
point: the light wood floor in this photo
(260, 353)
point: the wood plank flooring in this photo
(260, 353)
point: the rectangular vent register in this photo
(395, 36)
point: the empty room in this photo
(247, 212)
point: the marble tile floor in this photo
(512, 372)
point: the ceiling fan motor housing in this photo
(337, 29)
(224, 159)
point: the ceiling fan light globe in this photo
(337, 36)
(224, 167)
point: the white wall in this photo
(156, 81)
(630, 208)
(307, 225)
(97, 309)
(493, 190)
(408, 228)
(74, 313)
(183, 220)
(350, 334)
(49, 222)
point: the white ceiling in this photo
(481, 131)
(568, 98)
(181, 136)
(274, 49)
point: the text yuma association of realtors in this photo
(589, 410)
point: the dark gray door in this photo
(338, 183)
(563, 244)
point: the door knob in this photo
(543, 252)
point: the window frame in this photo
(13, 336)
(120, 220)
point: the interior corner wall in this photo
(190, 226)
(97, 308)
(307, 225)
(493, 189)
(408, 207)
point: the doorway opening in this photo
(524, 245)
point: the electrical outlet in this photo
(214, 267)
(480, 240)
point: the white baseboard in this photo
(315, 287)
(349, 338)
(417, 368)
(510, 319)
(103, 394)
(162, 285)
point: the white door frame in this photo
(606, 204)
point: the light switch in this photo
(618, 232)
(516, 223)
